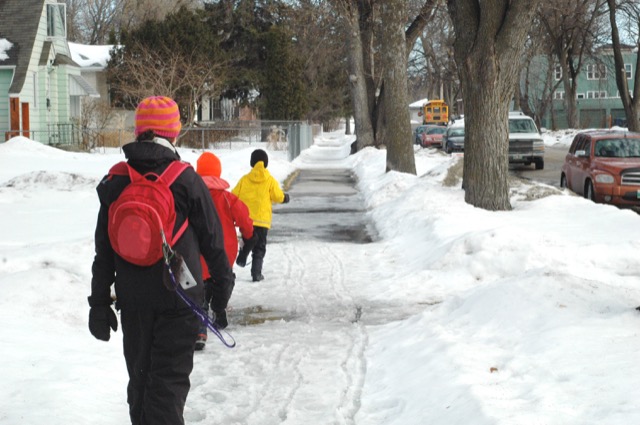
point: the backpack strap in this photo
(122, 168)
(173, 171)
(170, 174)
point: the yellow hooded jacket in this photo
(258, 190)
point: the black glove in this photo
(220, 295)
(286, 198)
(249, 244)
(101, 318)
(221, 319)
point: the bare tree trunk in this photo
(347, 126)
(486, 146)
(400, 155)
(357, 81)
(573, 30)
(629, 102)
(489, 43)
(570, 98)
(554, 124)
(367, 17)
(516, 96)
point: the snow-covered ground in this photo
(465, 316)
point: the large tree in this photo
(94, 21)
(359, 70)
(177, 57)
(573, 31)
(433, 71)
(400, 154)
(281, 89)
(630, 101)
(490, 38)
(366, 70)
(319, 44)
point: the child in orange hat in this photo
(232, 213)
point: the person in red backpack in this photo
(232, 213)
(159, 329)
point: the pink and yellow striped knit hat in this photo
(160, 114)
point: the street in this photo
(553, 159)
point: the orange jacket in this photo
(232, 212)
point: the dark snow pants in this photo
(158, 349)
(259, 250)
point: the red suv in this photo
(604, 166)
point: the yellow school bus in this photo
(435, 112)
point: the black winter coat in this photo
(137, 286)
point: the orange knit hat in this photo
(160, 114)
(209, 165)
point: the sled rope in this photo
(204, 317)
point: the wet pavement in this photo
(309, 241)
(325, 205)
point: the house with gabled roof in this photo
(41, 87)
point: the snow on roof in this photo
(4, 46)
(418, 103)
(90, 56)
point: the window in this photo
(525, 125)
(584, 144)
(57, 20)
(558, 72)
(35, 89)
(558, 95)
(596, 95)
(579, 142)
(596, 72)
(579, 95)
(627, 70)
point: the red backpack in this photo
(144, 213)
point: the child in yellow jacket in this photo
(258, 190)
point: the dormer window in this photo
(57, 20)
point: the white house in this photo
(415, 111)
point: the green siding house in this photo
(40, 85)
(598, 100)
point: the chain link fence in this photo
(292, 136)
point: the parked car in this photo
(417, 134)
(453, 139)
(432, 136)
(604, 166)
(526, 145)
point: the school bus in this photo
(435, 112)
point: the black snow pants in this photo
(259, 250)
(158, 349)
